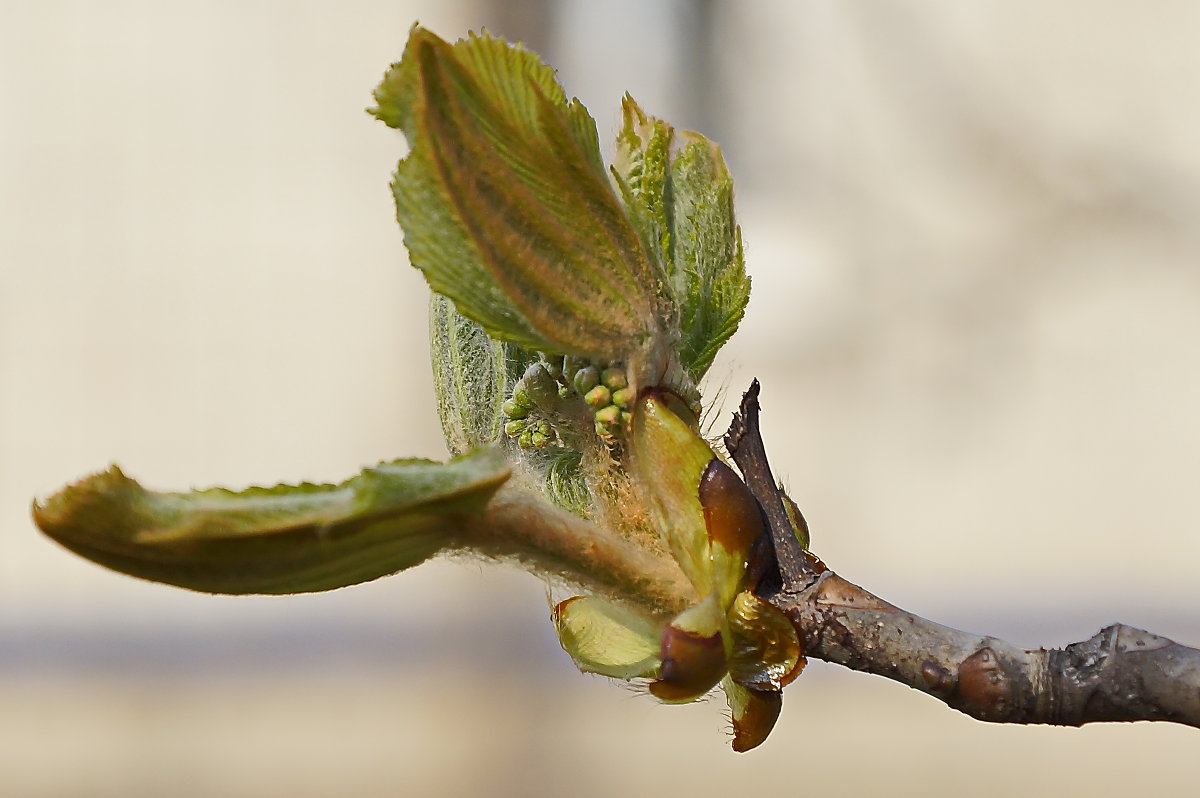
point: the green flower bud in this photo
(609, 416)
(623, 397)
(540, 387)
(538, 440)
(515, 427)
(598, 397)
(586, 379)
(614, 378)
(518, 406)
(525, 440)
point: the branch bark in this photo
(1119, 674)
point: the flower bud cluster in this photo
(608, 393)
(539, 400)
(529, 409)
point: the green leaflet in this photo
(680, 197)
(642, 172)
(709, 272)
(469, 378)
(505, 203)
(284, 539)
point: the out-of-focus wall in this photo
(972, 231)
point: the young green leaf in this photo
(565, 485)
(708, 267)
(505, 203)
(642, 170)
(680, 197)
(283, 539)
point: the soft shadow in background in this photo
(972, 231)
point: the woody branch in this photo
(1119, 674)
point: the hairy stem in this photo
(519, 526)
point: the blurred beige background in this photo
(973, 231)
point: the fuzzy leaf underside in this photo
(283, 539)
(505, 203)
(469, 378)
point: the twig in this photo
(783, 553)
(1120, 674)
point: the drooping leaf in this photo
(469, 378)
(505, 203)
(607, 638)
(283, 539)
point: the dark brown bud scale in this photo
(758, 719)
(691, 665)
(731, 514)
